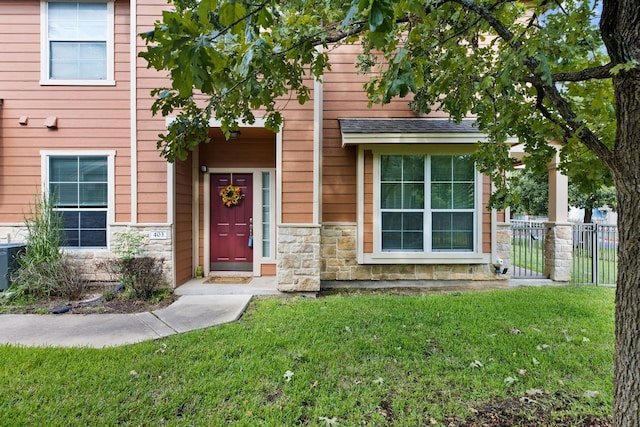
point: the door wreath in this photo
(231, 195)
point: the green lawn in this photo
(380, 359)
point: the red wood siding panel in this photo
(88, 117)
(184, 226)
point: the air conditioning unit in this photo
(9, 262)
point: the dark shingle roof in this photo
(417, 125)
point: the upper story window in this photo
(77, 43)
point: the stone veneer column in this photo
(558, 251)
(503, 247)
(299, 258)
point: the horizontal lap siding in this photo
(152, 168)
(297, 164)
(88, 117)
(486, 215)
(368, 202)
(184, 221)
(344, 97)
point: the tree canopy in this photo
(535, 70)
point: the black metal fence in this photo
(527, 249)
(595, 254)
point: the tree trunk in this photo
(625, 167)
(588, 213)
(620, 28)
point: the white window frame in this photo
(426, 256)
(45, 155)
(45, 55)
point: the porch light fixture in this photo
(204, 168)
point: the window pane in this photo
(93, 219)
(70, 219)
(452, 231)
(463, 168)
(93, 238)
(63, 169)
(64, 195)
(391, 221)
(441, 196)
(463, 196)
(440, 168)
(391, 168)
(413, 168)
(412, 221)
(75, 60)
(93, 195)
(391, 241)
(413, 196)
(93, 169)
(70, 238)
(462, 221)
(391, 196)
(413, 241)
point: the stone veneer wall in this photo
(339, 261)
(90, 259)
(299, 258)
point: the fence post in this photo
(558, 251)
(595, 274)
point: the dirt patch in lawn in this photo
(525, 412)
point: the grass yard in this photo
(533, 356)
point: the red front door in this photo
(232, 226)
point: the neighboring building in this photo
(342, 192)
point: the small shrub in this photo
(144, 276)
(69, 280)
(140, 275)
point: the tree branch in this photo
(575, 125)
(600, 72)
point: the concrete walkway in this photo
(199, 306)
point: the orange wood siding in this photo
(184, 221)
(152, 168)
(344, 97)
(88, 117)
(255, 148)
(368, 202)
(486, 215)
(297, 164)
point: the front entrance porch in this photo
(236, 199)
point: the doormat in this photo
(229, 279)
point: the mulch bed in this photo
(93, 302)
